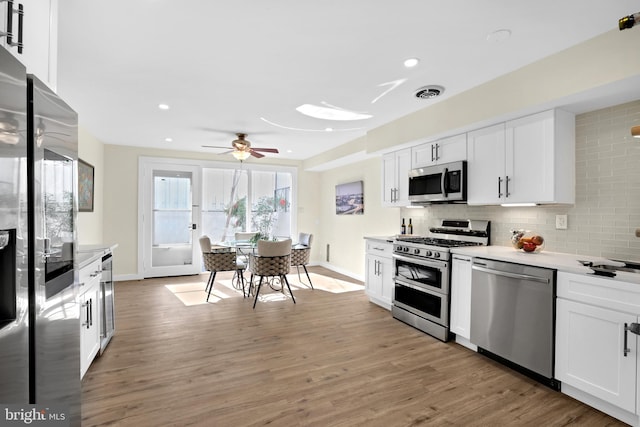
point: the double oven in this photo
(422, 273)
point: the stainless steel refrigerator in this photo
(40, 317)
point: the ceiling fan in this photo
(241, 148)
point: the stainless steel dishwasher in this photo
(513, 316)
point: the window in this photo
(227, 194)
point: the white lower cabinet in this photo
(596, 357)
(89, 277)
(460, 293)
(379, 273)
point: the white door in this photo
(170, 219)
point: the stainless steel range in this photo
(422, 273)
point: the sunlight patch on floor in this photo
(194, 294)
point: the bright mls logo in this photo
(15, 415)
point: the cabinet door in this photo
(485, 169)
(385, 269)
(89, 324)
(373, 280)
(461, 296)
(403, 166)
(395, 178)
(39, 38)
(389, 179)
(451, 149)
(530, 159)
(423, 155)
(590, 352)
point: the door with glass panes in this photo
(171, 220)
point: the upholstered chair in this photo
(273, 260)
(300, 253)
(215, 261)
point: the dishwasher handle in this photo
(511, 275)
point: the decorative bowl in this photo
(527, 241)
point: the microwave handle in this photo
(443, 182)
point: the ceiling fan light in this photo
(635, 131)
(240, 155)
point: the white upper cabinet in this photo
(39, 29)
(395, 178)
(528, 160)
(451, 149)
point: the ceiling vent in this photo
(429, 92)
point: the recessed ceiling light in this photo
(163, 106)
(499, 36)
(328, 129)
(411, 62)
(289, 151)
(168, 139)
(327, 113)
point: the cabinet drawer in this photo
(600, 291)
(89, 272)
(379, 248)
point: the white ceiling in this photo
(223, 66)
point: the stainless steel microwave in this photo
(439, 183)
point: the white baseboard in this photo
(125, 277)
(340, 270)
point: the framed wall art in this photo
(85, 186)
(350, 199)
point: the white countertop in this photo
(555, 260)
(89, 253)
(387, 239)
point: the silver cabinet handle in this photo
(437, 155)
(86, 314)
(634, 328)
(432, 156)
(462, 259)
(9, 33)
(506, 184)
(499, 187)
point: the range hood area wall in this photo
(607, 210)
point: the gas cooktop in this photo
(432, 241)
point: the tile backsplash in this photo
(606, 214)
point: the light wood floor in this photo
(332, 359)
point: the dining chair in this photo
(300, 254)
(219, 260)
(273, 260)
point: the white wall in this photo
(345, 233)
(90, 224)
(121, 198)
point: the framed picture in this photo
(350, 199)
(85, 186)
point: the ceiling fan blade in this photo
(215, 146)
(256, 154)
(266, 150)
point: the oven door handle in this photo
(440, 265)
(399, 281)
